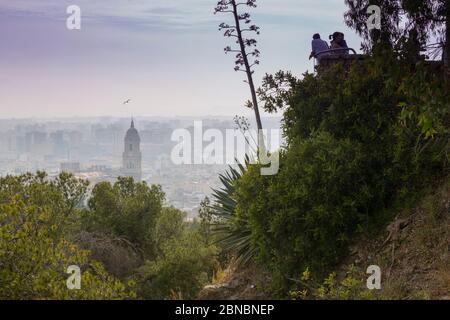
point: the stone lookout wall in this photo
(346, 59)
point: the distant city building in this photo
(98, 168)
(132, 157)
(59, 144)
(72, 167)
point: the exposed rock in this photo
(238, 284)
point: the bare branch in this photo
(242, 62)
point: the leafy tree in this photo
(170, 225)
(73, 192)
(173, 259)
(33, 262)
(419, 19)
(63, 196)
(126, 209)
(356, 17)
(184, 266)
(43, 225)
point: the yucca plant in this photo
(232, 233)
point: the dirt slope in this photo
(413, 252)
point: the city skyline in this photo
(167, 56)
(93, 149)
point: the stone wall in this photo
(346, 59)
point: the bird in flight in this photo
(127, 101)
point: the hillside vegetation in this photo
(362, 144)
(413, 252)
(127, 244)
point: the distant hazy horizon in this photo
(165, 55)
(138, 117)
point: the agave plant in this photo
(232, 233)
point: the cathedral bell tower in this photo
(132, 157)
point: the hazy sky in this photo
(166, 55)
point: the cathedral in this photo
(132, 157)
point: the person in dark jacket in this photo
(338, 42)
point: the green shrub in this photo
(44, 229)
(358, 141)
(306, 215)
(33, 262)
(183, 268)
(126, 209)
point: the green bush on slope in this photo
(351, 152)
